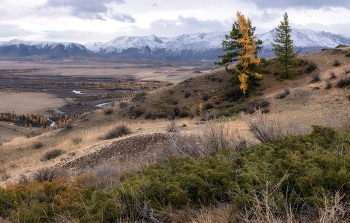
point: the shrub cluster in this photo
(284, 94)
(254, 105)
(343, 82)
(52, 154)
(336, 63)
(315, 77)
(311, 66)
(118, 131)
(286, 176)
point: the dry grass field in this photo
(309, 103)
(29, 103)
(84, 147)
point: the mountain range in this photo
(199, 46)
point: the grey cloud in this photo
(10, 30)
(79, 36)
(313, 4)
(185, 25)
(84, 9)
(122, 17)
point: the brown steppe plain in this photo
(309, 103)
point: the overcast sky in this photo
(102, 20)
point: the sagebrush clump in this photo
(118, 131)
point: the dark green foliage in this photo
(118, 131)
(310, 163)
(235, 93)
(231, 46)
(302, 166)
(283, 47)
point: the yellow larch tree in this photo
(247, 53)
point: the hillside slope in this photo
(309, 103)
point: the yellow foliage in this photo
(246, 53)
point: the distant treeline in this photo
(36, 120)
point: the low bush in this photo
(249, 108)
(139, 96)
(294, 179)
(262, 103)
(172, 127)
(205, 97)
(344, 82)
(76, 140)
(108, 111)
(346, 71)
(234, 93)
(208, 106)
(123, 104)
(332, 75)
(46, 174)
(336, 63)
(23, 179)
(38, 145)
(328, 84)
(316, 77)
(347, 54)
(187, 94)
(135, 112)
(284, 94)
(150, 115)
(311, 66)
(118, 131)
(52, 154)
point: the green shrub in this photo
(309, 162)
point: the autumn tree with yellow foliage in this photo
(241, 45)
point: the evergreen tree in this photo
(241, 45)
(283, 48)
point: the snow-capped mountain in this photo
(206, 45)
(52, 49)
(199, 46)
(304, 38)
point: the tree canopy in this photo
(283, 48)
(241, 45)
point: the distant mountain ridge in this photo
(20, 48)
(199, 46)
